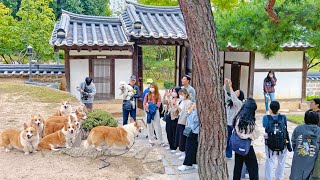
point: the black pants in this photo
(180, 138)
(171, 127)
(251, 162)
(191, 150)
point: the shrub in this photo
(98, 118)
(168, 84)
(309, 98)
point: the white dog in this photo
(127, 93)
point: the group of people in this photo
(242, 131)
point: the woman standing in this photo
(245, 127)
(192, 140)
(268, 88)
(233, 102)
(171, 118)
(152, 102)
(183, 109)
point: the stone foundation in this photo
(313, 88)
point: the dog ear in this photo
(25, 126)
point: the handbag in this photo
(126, 104)
(238, 145)
(187, 131)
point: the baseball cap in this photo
(133, 77)
(149, 81)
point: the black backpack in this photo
(277, 134)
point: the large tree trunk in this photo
(208, 85)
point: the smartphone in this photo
(228, 88)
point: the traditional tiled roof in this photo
(153, 21)
(80, 30)
(285, 45)
(23, 70)
(313, 76)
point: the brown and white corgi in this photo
(56, 123)
(38, 122)
(79, 116)
(122, 137)
(26, 140)
(62, 138)
(65, 109)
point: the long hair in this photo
(230, 102)
(246, 116)
(156, 92)
(185, 92)
(268, 78)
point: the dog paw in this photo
(7, 150)
(55, 149)
(26, 153)
(35, 151)
(99, 149)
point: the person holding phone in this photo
(268, 88)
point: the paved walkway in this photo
(171, 161)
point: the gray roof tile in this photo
(80, 30)
(153, 21)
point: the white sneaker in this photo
(163, 145)
(179, 153)
(195, 166)
(167, 148)
(184, 168)
(173, 151)
(182, 157)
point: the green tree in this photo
(9, 34)
(13, 5)
(37, 21)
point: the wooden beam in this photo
(105, 57)
(182, 66)
(67, 69)
(135, 61)
(252, 61)
(91, 74)
(304, 78)
(280, 70)
(113, 77)
(237, 62)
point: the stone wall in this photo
(313, 88)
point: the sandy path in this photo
(15, 165)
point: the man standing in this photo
(87, 91)
(186, 84)
(126, 105)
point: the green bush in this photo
(168, 84)
(309, 98)
(98, 118)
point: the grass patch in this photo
(297, 119)
(35, 93)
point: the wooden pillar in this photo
(67, 68)
(252, 61)
(304, 77)
(135, 60)
(182, 63)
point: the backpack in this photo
(238, 145)
(277, 134)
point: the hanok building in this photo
(109, 49)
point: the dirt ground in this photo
(15, 165)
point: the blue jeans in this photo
(125, 115)
(266, 100)
(229, 149)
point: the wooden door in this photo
(140, 76)
(235, 75)
(103, 76)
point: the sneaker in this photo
(184, 168)
(179, 153)
(182, 157)
(173, 151)
(163, 145)
(195, 166)
(167, 148)
(246, 176)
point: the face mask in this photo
(148, 85)
(182, 97)
(152, 90)
(174, 94)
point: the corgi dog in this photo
(79, 116)
(26, 140)
(62, 138)
(38, 122)
(56, 123)
(65, 109)
(112, 136)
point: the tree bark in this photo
(207, 80)
(272, 14)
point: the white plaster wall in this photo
(285, 59)
(123, 71)
(244, 80)
(289, 85)
(238, 56)
(98, 53)
(79, 70)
